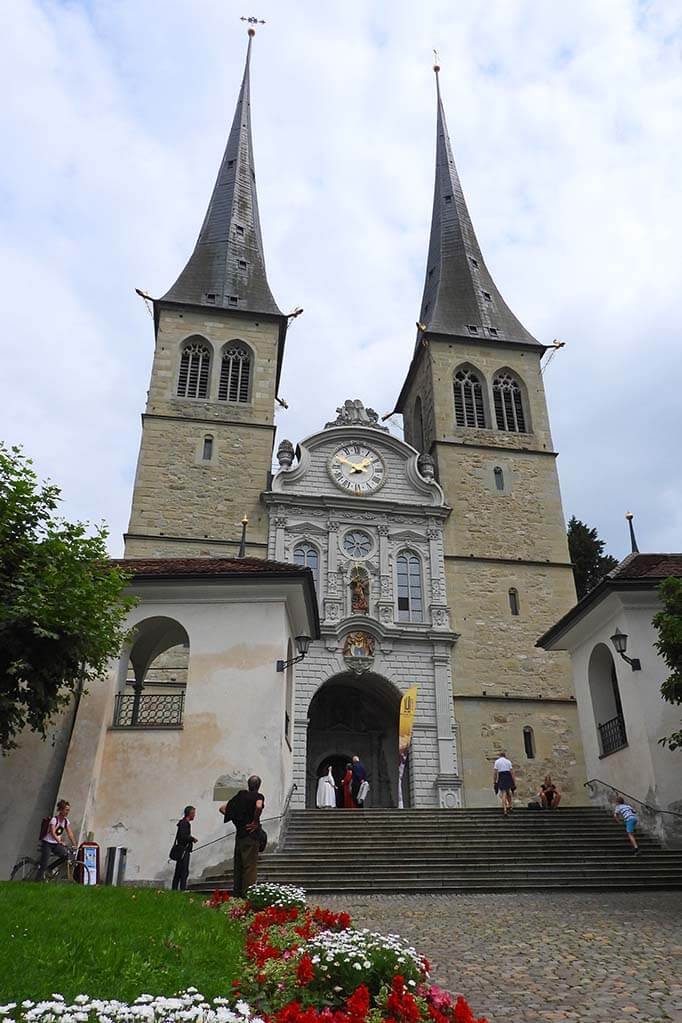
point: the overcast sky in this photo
(566, 126)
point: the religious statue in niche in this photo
(358, 645)
(359, 588)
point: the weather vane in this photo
(436, 62)
(253, 21)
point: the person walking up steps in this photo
(628, 816)
(503, 779)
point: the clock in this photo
(357, 469)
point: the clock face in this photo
(357, 469)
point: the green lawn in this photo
(112, 942)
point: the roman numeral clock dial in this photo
(357, 470)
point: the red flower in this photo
(305, 971)
(358, 1003)
(463, 1013)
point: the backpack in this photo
(44, 828)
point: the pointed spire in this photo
(633, 540)
(227, 267)
(460, 297)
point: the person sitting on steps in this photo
(549, 795)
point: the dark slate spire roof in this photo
(227, 267)
(459, 293)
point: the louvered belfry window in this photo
(194, 371)
(469, 408)
(235, 374)
(508, 404)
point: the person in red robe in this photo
(348, 801)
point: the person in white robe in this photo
(326, 791)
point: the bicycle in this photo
(72, 868)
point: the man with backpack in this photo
(52, 845)
(244, 810)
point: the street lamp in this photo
(620, 643)
(303, 646)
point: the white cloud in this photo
(566, 128)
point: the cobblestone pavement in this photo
(543, 958)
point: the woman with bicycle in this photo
(51, 843)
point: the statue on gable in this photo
(359, 585)
(354, 413)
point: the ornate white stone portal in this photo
(357, 510)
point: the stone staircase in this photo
(477, 850)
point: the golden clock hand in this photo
(340, 458)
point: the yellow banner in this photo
(408, 707)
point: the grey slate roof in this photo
(228, 261)
(457, 279)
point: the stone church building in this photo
(435, 561)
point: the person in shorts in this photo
(504, 781)
(549, 795)
(623, 811)
(53, 848)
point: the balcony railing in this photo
(612, 736)
(148, 710)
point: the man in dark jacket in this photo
(244, 810)
(359, 775)
(183, 844)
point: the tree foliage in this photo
(61, 604)
(668, 623)
(590, 564)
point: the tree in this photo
(586, 550)
(668, 623)
(61, 605)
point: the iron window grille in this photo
(612, 735)
(148, 710)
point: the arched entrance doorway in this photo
(356, 715)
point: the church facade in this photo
(436, 560)
(493, 556)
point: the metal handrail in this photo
(654, 809)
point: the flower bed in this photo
(302, 966)
(311, 966)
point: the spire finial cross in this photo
(436, 62)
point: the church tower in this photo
(474, 401)
(208, 428)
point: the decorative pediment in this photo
(407, 534)
(299, 528)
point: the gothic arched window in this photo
(469, 407)
(195, 363)
(410, 594)
(418, 426)
(499, 478)
(509, 412)
(306, 555)
(529, 742)
(235, 374)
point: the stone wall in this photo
(506, 531)
(177, 493)
(488, 726)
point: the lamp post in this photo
(303, 646)
(620, 643)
